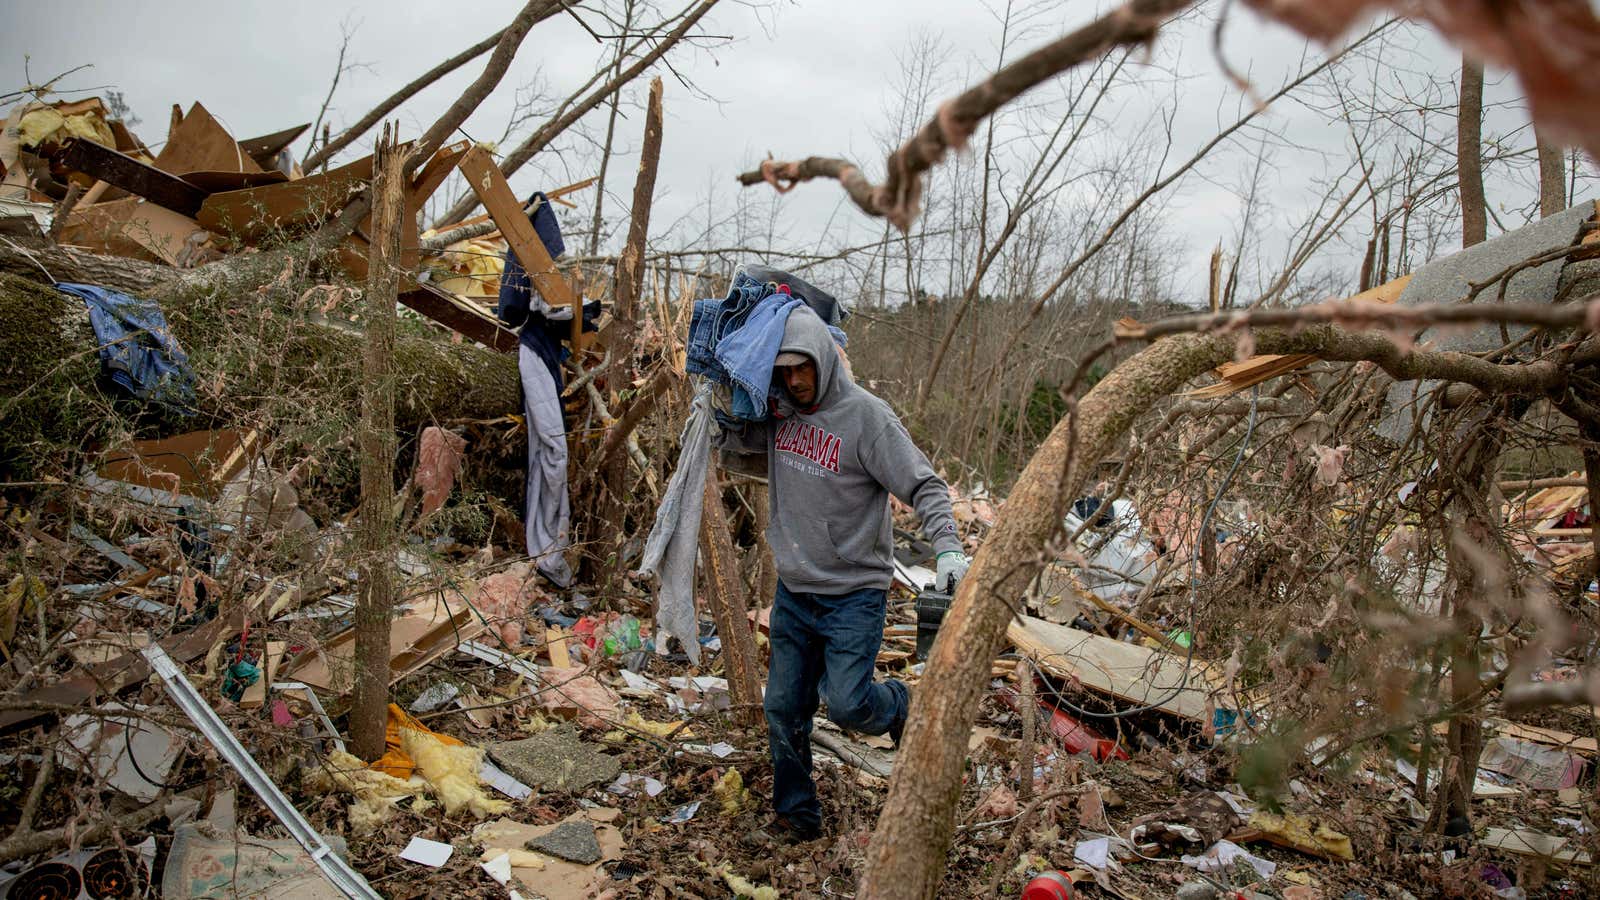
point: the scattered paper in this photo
(497, 778)
(1575, 824)
(638, 684)
(683, 813)
(1221, 857)
(1541, 768)
(627, 784)
(721, 749)
(1095, 854)
(426, 852)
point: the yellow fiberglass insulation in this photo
(376, 793)
(452, 773)
(46, 125)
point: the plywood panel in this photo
(1129, 672)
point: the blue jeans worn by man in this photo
(823, 647)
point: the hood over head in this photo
(805, 334)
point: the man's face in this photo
(801, 381)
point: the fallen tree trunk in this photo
(258, 342)
(906, 856)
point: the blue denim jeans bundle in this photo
(734, 340)
(823, 647)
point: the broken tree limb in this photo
(720, 566)
(621, 428)
(50, 349)
(899, 198)
(847, 754)
(555, 127)
(36, 842)
(334, 233)
(628, 284)
(349, 135)
(906, 856)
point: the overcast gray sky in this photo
(797, 78)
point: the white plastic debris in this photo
(499, 869)
(1095, 854)
(434, 697)
(639, 685)
(1222, 856)
(683, 813)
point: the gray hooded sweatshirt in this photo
(830, 471)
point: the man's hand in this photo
(952, 565)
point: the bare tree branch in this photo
(899, 198)
(552, 129)
(349, 135)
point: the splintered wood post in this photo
(1030, 718)
(767, 574)
(721, 570)
(484, 177)
(629, 284)
(375, 532)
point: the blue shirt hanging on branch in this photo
(520, 305)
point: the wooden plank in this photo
(555, 641)
(461, 317)
(1129, 672)
(254, 212)
(1526, 842)
(198, 463)
(133, 176)
(1236, 376)
(256, 694)
(560, 192)
(200, 144)
(92, 196)
(434, 172)
(265, 149)
(486, 181)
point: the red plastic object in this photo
(1049, 886)
(1075, 736)
(585, 630)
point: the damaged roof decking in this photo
(1452, 279)
(1445, 280)
(1126, 671)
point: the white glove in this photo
(951, 566)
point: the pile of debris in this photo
(176, 622)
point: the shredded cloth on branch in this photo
(669, 551)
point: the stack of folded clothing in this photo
(734, 341)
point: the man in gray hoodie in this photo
(834, 454)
